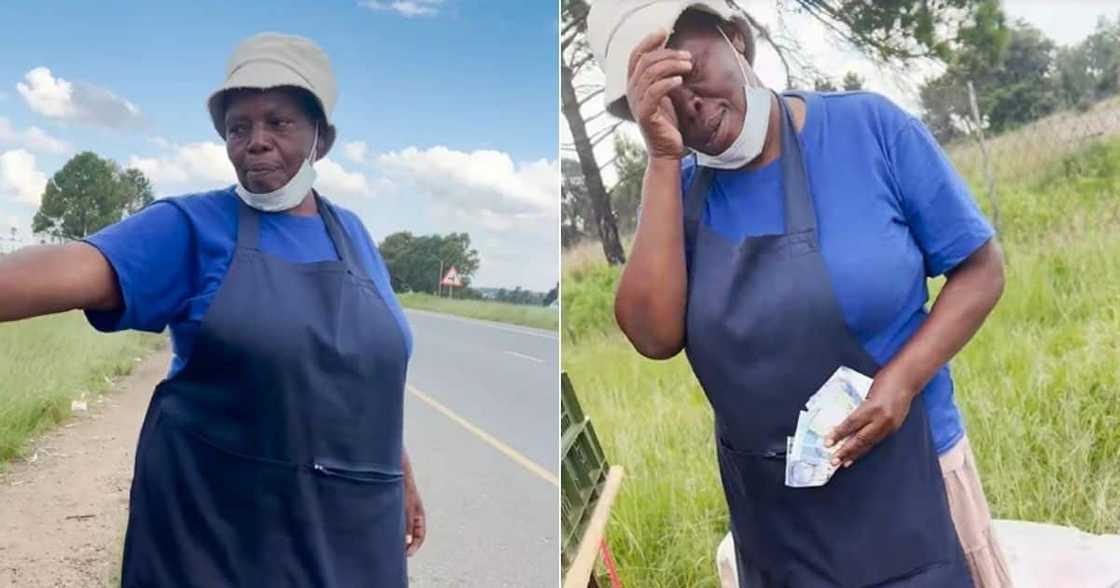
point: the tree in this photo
(1090, 71)
(823, 84)
(575, 206)
(1019, 85)
(626, 194)
(136, 190)
(945, 108)
(416, 263)
(1023, 88)
(551, 295)
(87, 194)
(852, 82)
(1077, 86)
(575, 56)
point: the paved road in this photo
(480, 425)
(481, 422)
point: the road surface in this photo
(480, 425)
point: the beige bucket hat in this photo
(614, 28)
(268, 60)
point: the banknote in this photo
(807, 443)
(808, 473)
(808, 461)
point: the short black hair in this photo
(697, 18)
(311, 106)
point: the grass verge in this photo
(540, 317)
(48, 361)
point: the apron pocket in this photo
(812, 536)
(361, 474)
(360, 511)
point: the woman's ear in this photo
(736, 37)
(327, 135)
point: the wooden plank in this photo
(583, 564)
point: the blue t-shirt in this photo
(891, 212)
(170, 259)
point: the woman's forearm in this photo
(969, 295)
(46, 279)
(650, 302)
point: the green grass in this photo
(46, 362)
(1039, 386)
(540, 317)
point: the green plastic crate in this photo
(583, 470)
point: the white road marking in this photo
(508, 451)
(523, 356)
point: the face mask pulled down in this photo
(290, 194)
(752, 136)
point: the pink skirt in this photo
(972, 518)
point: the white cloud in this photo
(80, 102)
(197, 166)
(406, 8)
(46, 95)
(32, 138)
(335, 180)
(510, 209)
(20, 177)
(356, 151)
(486, 186)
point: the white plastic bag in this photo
(1052, 556)
(1038, 556)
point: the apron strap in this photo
(342, 244)
(799, 212)
(248, 232)
(694, 202)
(248, 226)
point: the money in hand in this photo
(808, 461)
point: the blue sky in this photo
(446, 114)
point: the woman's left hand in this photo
(882, 413)
(415, 521)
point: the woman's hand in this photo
(884, 411)
(415, 521)
(652, 73)
(970, 292)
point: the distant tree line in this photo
(1020, 75)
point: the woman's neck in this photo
(772, 148)
(307, 207)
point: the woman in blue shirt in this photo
(811, 223)
(272, 453)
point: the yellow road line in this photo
(487, 437)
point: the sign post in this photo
(452, 280)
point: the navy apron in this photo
(763, 332)
(273, 458)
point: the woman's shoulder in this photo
(861, 110)
(352, 223)
(211, 216)
(215, 205)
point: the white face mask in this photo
(291, 194)
(752, 136)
